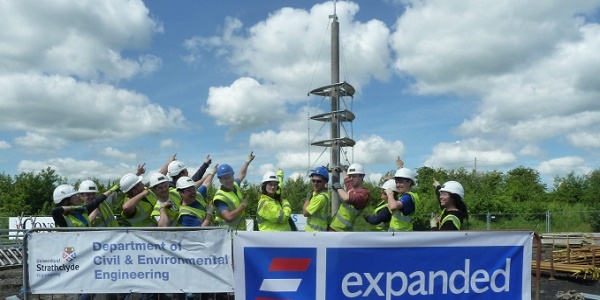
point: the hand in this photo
(208, 160)
(173, 157)
(141, 169)
(78, 209)
(114, 188)
(250, 157)
(210, 210)
(435, 183)
(399, 162)
(244, 202)
(280, 173)
(167, 205)
(433, 222)
(337, 186)
(389, 192)
(214, 170)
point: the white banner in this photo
(300, 221)
(27, 222)
(383, 265)
(123, 261)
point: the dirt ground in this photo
(11, 282)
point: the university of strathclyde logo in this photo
(280, 273)
(69, 254)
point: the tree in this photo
(524, 186)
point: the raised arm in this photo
(165, 168)
(244, 168)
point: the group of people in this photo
(181, 200)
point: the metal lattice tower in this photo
(337, 115)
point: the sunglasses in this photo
(317, 181)
(402, 180)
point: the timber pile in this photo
(581, 262)
(570, 239)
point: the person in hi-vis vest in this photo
(454, 210)
(137, 206)
(404, 207)
(273, 212)
(381, 214)
(70, 211)
(168, 201)
(103, 216)
(316, 209)
(229, 199)
(354, 199)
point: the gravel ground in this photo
(11, 282)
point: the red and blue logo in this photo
(280, 273)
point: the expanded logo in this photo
(69, 254)
(280, 273)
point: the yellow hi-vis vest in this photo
(273, 216)
(402, 222)
(383, 226)
(73, 221)
(107, 218)
(142, 212)
(345, 217)
(185, 210)
(450, 218)
(319, 220)
(233, 200)
(173, 212)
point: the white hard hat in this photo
(128, 181)
(157, 178)
(405, 173)
(270, 176)
(356, 169)
(87, 186)
(185, 182)
(175, 167)
(62, 192)
(453, 187)
(390, 184)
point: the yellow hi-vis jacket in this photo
(402, 222)
(273, 215)
(142, 212)
(345, 217)
(186, 210)
(233, 200)
(383, 226)
(73, 221)
(450, 218)
(107, 218)
(173, 212)
(319, 207)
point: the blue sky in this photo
(94, 88)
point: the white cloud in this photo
(72, 110)
(168, 143)
(83, 39)
(531, 150)
(468, 154)
(37, 143)
(375, 149)
(564, 165)
(118, 154)
(531, 66)
(280, 61)
(245, 104)
(74, 169)
(585, 139)
(5, 145)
